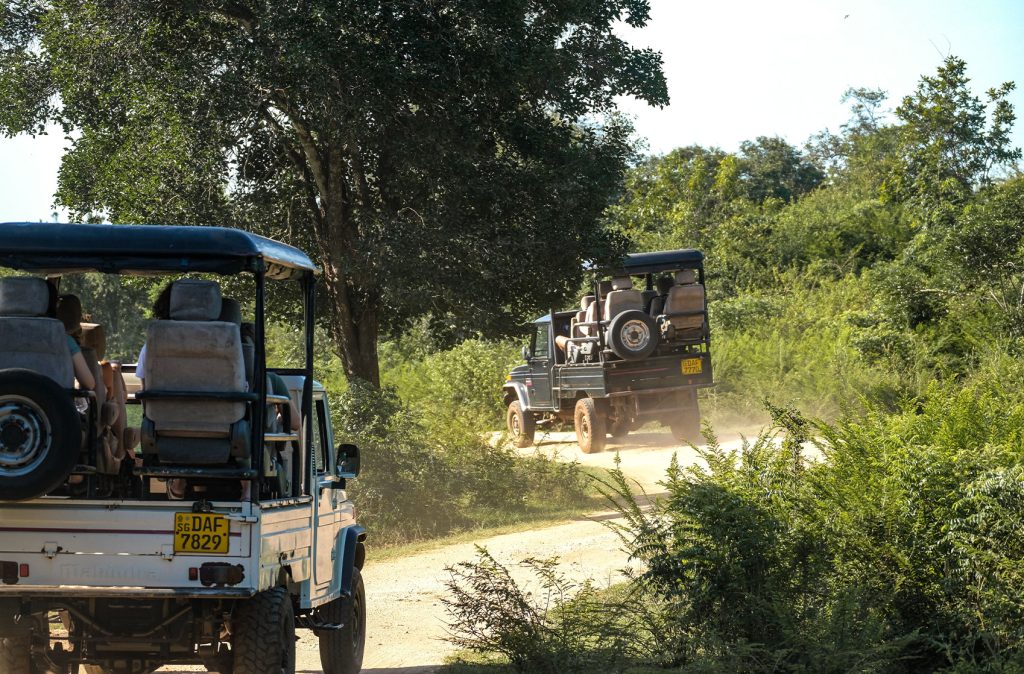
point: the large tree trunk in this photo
(354, 325)
(353, 331)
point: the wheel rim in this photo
(585, 429)
(25, 436)
(516, 427)
(636, 335)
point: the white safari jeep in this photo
(184, 517)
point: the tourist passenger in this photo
(82, 372)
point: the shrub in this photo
(419, 481)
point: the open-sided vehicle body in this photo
(625, 357)
(111, 569)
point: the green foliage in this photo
(947, 144)
(460, 386)
(544, 623)
(891, 543)
(417, 149)
(421, 480)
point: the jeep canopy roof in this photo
(140, 249)
(638, 264)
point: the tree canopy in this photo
(442, 158)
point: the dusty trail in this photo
(406, 628)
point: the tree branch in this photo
(306, 140)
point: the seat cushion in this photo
(194, 356)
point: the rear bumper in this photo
(123, 592)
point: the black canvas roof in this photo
(663, 260)
(60, 248)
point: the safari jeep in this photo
(624, 357)
(177, 519)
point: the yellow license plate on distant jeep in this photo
(691, 366)
(201, 533)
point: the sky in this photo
(736, 69)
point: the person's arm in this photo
(140, 367)
(82, 372)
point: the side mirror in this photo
(526, 353)
(348, 461)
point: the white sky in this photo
(736, 69)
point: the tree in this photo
(447, 158)
(769, 167)
(948, 144)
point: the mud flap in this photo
(354, 536)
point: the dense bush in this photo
(898, 548)
(420, 480)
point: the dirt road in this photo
(406, 620)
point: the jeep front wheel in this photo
(686, 426)
(590, 430)
(263, 634)
(521, 425)
(341, 651)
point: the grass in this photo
(492, 522)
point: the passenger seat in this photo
(684, 305)
(29, 339)
(622, 298)
(194, 352)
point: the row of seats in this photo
(34, 336)
(681, 305)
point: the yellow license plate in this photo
(691, 366)
(201, 533)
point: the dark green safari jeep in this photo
(637, 349)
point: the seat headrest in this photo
(94, 337)
(230, 311)
(586, 302)
(686, 277)
(195, 300)
(24, 296)
(605, 287)
(622, 283)
(69, 312)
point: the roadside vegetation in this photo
(866, 298)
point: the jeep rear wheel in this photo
(686, 426)
(590, 429)
(40, 435)
(619, 428)
(16, 655)
(521, 425)
(341, 651)
(263, 634)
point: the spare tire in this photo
(40, 435)
(633, 335)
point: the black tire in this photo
(16, 655)
(521, 425)
(619, 428)
(590, 427)
(633, 335)
(40, 435)
(263, 634)
(686, 426)
(341, 651)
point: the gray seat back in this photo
(194, 352)
(684, 299)
(622, 298)
(28, 338)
